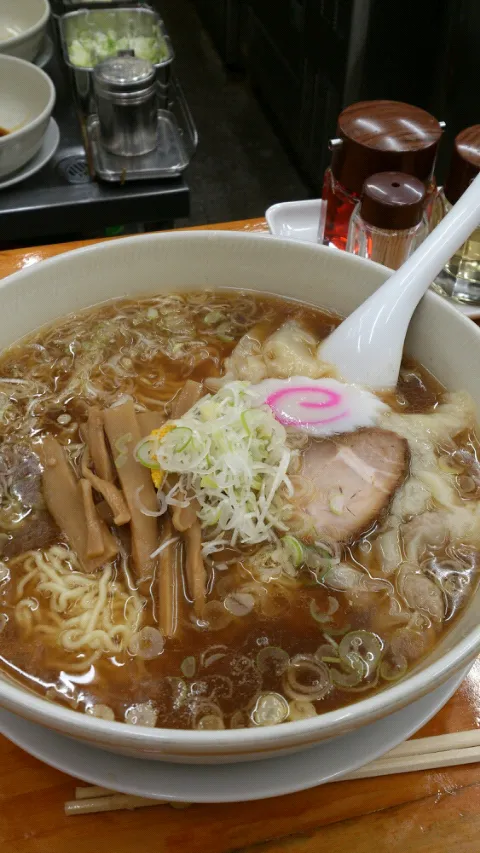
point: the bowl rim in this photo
(262, 738)
(30, 31)
(47, 110)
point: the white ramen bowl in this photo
(22, 27)
(27, 98)
(442, 339)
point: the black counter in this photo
(63, 199)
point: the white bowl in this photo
(27, 98)
(440, 337)
(22, 27)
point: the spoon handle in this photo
(367, 347)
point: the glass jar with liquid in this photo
(460, 278)
(376, 136)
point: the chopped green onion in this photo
(239, 603)
(294, 549)
(212, 318)
(306, 678)
(336, 503)
(188, 666)
(393, 670)
(182, 437)
(272, 660)
(88, 47)
(145, 453)
(301, 709)
(207, 482)
(208, 410)
(234, 458)
(317, 614)
(270, 709)
(360, 646)
(347, 677)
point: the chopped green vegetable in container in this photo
(90, 47)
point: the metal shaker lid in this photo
(124, 73)
(377, 136)
(393, 201)
(465, 163)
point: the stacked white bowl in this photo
(22, 27)
(26, 103)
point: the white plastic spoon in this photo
(367, 347)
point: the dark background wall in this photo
(306, 59)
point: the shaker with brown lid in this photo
(372, 137)
(389, 222)
(460, 277)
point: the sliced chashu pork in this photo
(355, 477)
(21, 479)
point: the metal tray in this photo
(65, 201)
(125, 20)
(177, 141)
(62, 7)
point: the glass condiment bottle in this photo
(376, 136)
(389, 222)
(460, 277)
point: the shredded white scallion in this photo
(233, 456)
(163, 546)
(143, 509)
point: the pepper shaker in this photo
(126, 97)
(389, 222)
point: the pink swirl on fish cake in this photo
(287, 418)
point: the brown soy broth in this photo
(147, 349)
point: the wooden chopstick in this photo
(90, 799)
(438, 743)
(89, 792)
(427, 753)
(112, 803)
(408, 764)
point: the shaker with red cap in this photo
(372, 137)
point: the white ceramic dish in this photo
(22, 27)
(45, 53)
(295, 220)
(44, 154)
(230, 782)
(299, 220)
(440, 337)
(26, 104)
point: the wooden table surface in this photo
(423, 812)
